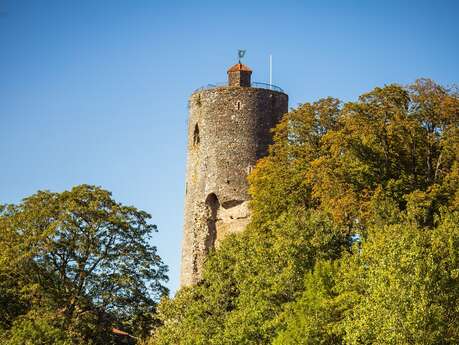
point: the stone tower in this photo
(228, 131)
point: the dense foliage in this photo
(73, 265)
(354, 237)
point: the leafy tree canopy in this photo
(354, 232)
(75, 264)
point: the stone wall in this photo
(228, 131)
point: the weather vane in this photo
(240, 54)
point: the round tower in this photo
(229, 129)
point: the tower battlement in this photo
(229, 129)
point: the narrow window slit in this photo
(196, 138)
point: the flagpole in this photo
(270, 70)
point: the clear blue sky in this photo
(96, 91)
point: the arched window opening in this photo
(212, 205)
(196, 138)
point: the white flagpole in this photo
(270, 70)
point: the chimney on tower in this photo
(239, 75)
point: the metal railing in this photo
(256, 85)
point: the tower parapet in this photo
(229, 129)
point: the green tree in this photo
(315, 316)
(37, 328)
(82, 258)
(401, 286)
(404, 285)
(336, 174)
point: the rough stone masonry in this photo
(229, 129)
